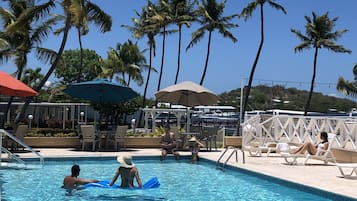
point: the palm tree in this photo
(126, 59)
(32, 77)
(133, 61)
(183, 14)
(23, 31)
(53, 57)
(143, 26)
(210, 17)
(246, 13)
(319, 34)
(83, 12)
(162, 18)
(346, 87)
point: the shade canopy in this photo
(9, 86)
(100, 91)
(187, 93)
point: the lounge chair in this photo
(268, 148)
(321, 154)
(351, 166)
(291, 159)
(324, 155)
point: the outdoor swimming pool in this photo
(179, 181)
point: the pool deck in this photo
(316, 174)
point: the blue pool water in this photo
(179, 181)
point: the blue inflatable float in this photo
(152, 183)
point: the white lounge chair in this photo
(351, 166)
(268, 148)
(291, 159)
(324, 155)
(321, 154)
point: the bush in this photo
(48, 132)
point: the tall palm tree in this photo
(183, 14)
(53, 57)
(25, 26)
(143, 26)
(211, 19)
(246, 14)
(24, 30)
(346, 87)
(319, 34)
(83, 12)
(162, 18)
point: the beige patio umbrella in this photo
(187, 93)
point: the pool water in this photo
(179, 181)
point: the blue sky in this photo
(230, 63)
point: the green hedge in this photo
(48, 132)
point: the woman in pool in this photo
(311, 148)
(195, 146)
(72, 182)
(128, 171)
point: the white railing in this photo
(13, 156)
(299, 129)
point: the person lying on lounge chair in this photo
(311, 148)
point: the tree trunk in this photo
(251, 76)
(207, 56)
(162, 59)
(8, 106)
(146, 86)
(307, 106)
(81, 55)
(49, 72)
(179, 54)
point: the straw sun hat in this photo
(125, 161)
(194, 140)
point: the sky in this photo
(230, 63)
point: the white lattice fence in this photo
(287, 128)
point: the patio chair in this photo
(89, 136)
(209, 136)
(120, 136)
(179, 140)
(20, 135)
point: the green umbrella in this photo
(100, 91)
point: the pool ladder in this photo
(234, 151)
(19, 163)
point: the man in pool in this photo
(72, 182)
(127, 171)
(168, 144)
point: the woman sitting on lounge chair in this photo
(311, 148)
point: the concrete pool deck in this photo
(316, 174)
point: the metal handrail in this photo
(2, 131)
(19, 160)
(235, 151)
